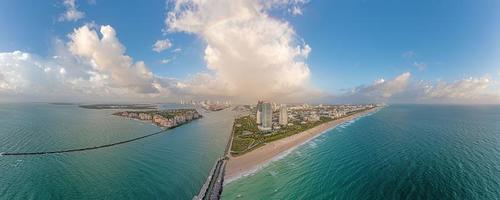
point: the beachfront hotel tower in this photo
(283, 120)
(266, 116)
(259, 113)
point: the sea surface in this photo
(171, 165)
(399, 152)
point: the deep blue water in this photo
(400, 152)
(172, 165)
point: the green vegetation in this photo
(247, 136)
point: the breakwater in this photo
(180, 121)
(78, 149)
(212, 189)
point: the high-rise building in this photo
(266, 116)
(259, 113)
(283, 115)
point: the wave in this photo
(284, 154)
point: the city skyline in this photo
(292, 51)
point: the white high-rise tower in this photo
(283, 115)
(266, 116)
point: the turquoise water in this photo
(400, 152)
(173, 165)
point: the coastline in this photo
(253, 161)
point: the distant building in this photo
(283, 115)
(259, 112)
(266, 116)
(275, 106)
(313, 118)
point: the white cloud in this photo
(295, 10)
(161, 45)
(24, 73)
(71, 14)
(380, 90)
(420, 65)
(89, 66)
(469, 89)
(166, 61)
(176, 50)
(106, 55)
(294, 7)
(249, 53)
(92, 66)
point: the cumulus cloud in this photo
(106, 55)
(24, 73)
(464, 90)
(91, 65)
(249, 54)
(379, 91)
(72, 13)
(161, 45)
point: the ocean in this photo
(399, 152)
(171, 165)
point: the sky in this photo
(290, 51)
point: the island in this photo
(119, 106)
(214, 107)
(163, 118)
(208, 105)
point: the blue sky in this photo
(353, 42)
(358, 41)
(138, 24)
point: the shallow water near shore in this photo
(399, 152)
(172, 165)
(252, 170)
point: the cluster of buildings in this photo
(164, 118)
(264, 115)
(306, 113)
(271, 116)
(208, 104)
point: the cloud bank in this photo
(402, 89)
(249, 55)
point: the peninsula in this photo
(253, 144)
(163, 118)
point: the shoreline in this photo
(255, 160)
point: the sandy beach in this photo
(252, 161)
